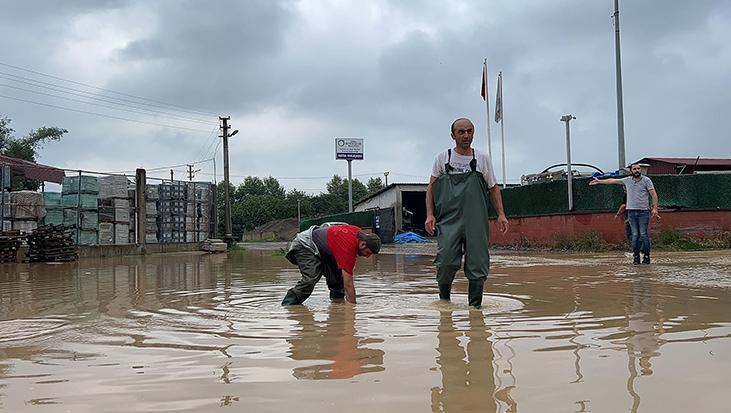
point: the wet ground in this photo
(202, 333)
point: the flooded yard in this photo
(202, 333)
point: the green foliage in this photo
(374, 185)
(26, 147)
(672, 239)
(256, 201)
(590, 241)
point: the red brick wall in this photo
(547, 229)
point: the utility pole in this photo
(568, 119)
(171, 176)
(620, 106)
(385, 174)
(191, 172)
(299, 213)
(227, 237)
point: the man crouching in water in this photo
(329, 250)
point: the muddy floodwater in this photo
(203, 333)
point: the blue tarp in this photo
(409, 236)
(599, 175)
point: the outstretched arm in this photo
(349, 287)
(496, 198)
(609, 181)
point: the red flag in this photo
(483, 91)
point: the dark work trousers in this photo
(313, 267)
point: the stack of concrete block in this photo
(80, 198)
(106, 233)
(113, 187)
(114, 208)
(131, 195)
(171, 210)
(152, 195)
(197, 222)
(206, 208)
(54, 208)
(26, 210)
(5, 211)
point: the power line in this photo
(103, 115)
(161, 168)
(109, 90)
(173, 117)
(207, 149)
(89, 95)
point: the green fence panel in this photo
(697, 191)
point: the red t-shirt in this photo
(343, 243)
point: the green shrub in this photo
(591, 241)
(672, 239)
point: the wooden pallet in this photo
(52, 243)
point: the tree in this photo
(26, 147)
(374, 185)
(338, 188)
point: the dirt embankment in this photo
(277, 230)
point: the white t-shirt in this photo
(461, 164)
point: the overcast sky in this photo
(293, 75)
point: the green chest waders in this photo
(461, 211)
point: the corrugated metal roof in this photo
(34, 170)
(691, 161)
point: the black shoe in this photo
(474, 293)
(444, 291)
(646, 260)
(636, 261)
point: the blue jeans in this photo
(638, 221)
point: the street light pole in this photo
(620, 105)
(228, 237)
(569, 176)
(350, 186)
(385, 174)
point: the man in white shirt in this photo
(461, 182)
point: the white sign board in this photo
(349, 148)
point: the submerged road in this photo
(194, 333)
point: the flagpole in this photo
(486, 96)
(502, 125)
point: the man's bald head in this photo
(461, 121)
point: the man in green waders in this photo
(461, 181)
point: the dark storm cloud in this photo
(209, 55)
(397, 73)
(44, 12)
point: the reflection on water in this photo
(335, 340)
(191, 332)
(467, 372)
(644, 327)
